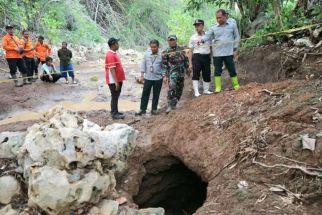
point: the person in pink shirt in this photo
(114, 76)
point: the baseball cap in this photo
(9, 27)
(199, 21)
(112, 41)
(172, 37)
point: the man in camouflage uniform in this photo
(175, 64)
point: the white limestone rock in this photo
(9, 187)
(7, 210)
(10, 142)
(51, 190)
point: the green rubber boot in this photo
(235, 83)
(217, 84)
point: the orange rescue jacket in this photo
(10, 44)
(42, 51)
(27, 45)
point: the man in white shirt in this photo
(200, 59)
(49, 72)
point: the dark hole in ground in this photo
(169, 184)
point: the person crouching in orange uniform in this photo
(42, 52)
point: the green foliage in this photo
(57, 20)
(181, 20)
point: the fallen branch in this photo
(301, 168)
(272, 93)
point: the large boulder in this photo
(8, 210)
(10, 142)
(9, 187)
(56, 191)
(68, 161)
(147, 211)
(105, 207)
(66, 141)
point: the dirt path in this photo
(20, 107)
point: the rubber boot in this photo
(17, 84)
(234, 81)
(206, 88)
(195, 85)
(25, 80)
(217, 84)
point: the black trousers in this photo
(148, 85)
(201, 63)
(15, 63)
(38, 61)
(45, 78)
(229, 63)
(30, 63)
(115, 97)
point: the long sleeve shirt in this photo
(65, 56)
(174, 60)
(225, 38)
(10, 44)
(27, 45)
(42, 51)
(151, 65)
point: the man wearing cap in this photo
(226, 41)
(14, 49)
(174, 66)
(199, 59)
(114, 76)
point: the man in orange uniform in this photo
(28, 55)
(42, 52)
(12, 45)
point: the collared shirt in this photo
(10, 44)
(27, 45)
(65, 55)
(197, 47)
(48, 69)
(42, 51)
(225, 39)
(174, 60)
(151, 65)
(113, 60)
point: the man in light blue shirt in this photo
(226, 40)
(151, 73)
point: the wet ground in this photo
(20, 107)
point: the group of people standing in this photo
(170, 66)
(22, 54)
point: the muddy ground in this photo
(219, 137)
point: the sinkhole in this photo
(169, 184)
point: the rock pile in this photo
(67, 162)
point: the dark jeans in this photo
(148, 85)
(30, 63)
(115, 97)
(45, 78)
(37, 65)
(229, 63)
(15, 63)
(201, 63)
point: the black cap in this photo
(9, 27)
(112, 41)
(172, 37)
(199, 21)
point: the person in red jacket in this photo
(114, 76)
(14, 49)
